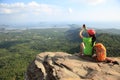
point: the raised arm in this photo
(80, 34)
(81, 31)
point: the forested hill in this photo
(19, 47)
(110, 31)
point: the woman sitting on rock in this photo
(86, 46)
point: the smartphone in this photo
(84, 26)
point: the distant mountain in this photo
(110, 31)
(73, 33)
(57, 25)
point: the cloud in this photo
(90, 2)
(29, 8)
(94, 2)
(33, 4)
(31, 12)
(6, 11)
(11, 8)
(70, 10)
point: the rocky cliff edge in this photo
(64, 66)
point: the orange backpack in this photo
(100, 51)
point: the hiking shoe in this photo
(115, 62)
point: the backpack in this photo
(100, 51)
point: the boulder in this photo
(64, 66)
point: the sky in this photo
(28, 11)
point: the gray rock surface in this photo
(64, 66)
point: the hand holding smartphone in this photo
(84, 27)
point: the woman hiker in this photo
(86, 46)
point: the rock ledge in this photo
(64, 66)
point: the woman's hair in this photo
(93, 39)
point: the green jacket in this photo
(88, 45)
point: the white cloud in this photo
(94, 2)
(5, 10)
(11, 8)
(90, 2)
(33, 4)
(29, 8)
(70, 10)
(5, 5)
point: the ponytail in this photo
(93, 39)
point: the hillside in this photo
(110, 31)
